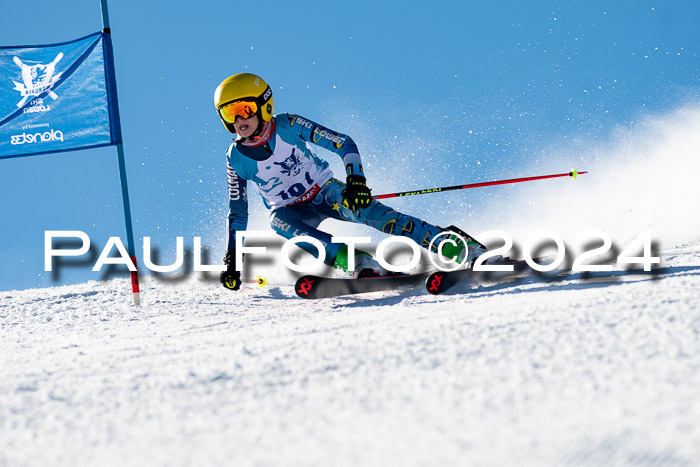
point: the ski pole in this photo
(572, 174)
(260, 281)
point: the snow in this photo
(588, 369)
(602, 370)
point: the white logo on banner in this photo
(37, 79)
(30, 138)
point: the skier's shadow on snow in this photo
(561, 278)
(581, 280)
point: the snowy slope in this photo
(595, 371)
(599, 370)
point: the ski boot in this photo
(365, 265)
(465, 256)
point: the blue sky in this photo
(452, 92)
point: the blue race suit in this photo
(299, 189)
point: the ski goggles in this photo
(245, 108)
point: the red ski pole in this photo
(572, 174)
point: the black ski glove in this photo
(356, 195)
(230, 278)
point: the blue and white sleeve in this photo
(339, 143)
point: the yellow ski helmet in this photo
(243, 87)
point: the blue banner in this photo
(58, 97)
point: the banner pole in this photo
(105, 16)
(129, 227)
(114, 106)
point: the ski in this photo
(440, 282)
(311, 287)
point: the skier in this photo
(273, 152)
